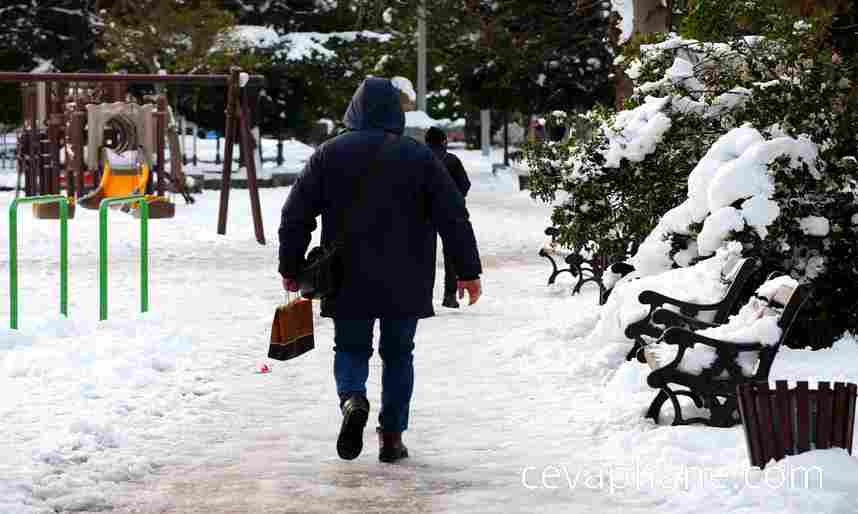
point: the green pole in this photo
(64, 257)
(13, 265)
(102, 251)
(102, 261)
(144, 256)
(13, 252)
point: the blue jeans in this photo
(353, 348)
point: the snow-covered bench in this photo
(580, 264)
(710, 363)
(551, 249)
(735, 278)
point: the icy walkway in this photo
(480, 417)
(164, 413)
(514, 411)
(478, 420)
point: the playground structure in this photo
(84, 132)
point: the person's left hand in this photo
(473, 288)
(290, 284)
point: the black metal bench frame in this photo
(715, 387)
(654, 327)
(586, 270)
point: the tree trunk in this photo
(812, 7)
(649, 16)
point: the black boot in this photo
(450, 301)
(390, 447)
(355, 410)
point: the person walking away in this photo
(387, 265)
(436, 139)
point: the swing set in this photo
(84, 130)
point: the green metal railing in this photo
(144, 250)
(13, 252)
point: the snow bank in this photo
(697, 469)
(623, 307)
(756, 322)
(100, 387)
(734, 170)
(295, 155)
(729, 189)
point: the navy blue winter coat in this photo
(454, 168)
(389, 260)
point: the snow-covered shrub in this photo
(618, 185)
(747, 138)
(788, 189)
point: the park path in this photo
(495, 402)
(478, 420)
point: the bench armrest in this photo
(670, 318)
(655, 299)
(687, 338)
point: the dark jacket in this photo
(455, 168)
(389, 262)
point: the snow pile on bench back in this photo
(735, 169)
(729, 189)
(756, 322)
(701, 284)
(552, 247)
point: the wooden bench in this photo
(736, 278)
(715, 387)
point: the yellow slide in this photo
(125, 177)
(122, 183)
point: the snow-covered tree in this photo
(47, 34)
(538, 56)
(287, 15)
(750, 138)
(152, 35)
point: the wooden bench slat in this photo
(803, 417)
(823, 416)
(777, 414)
(747, 393)
(764, 413)
(838, 435)
(851, 391)
(785, 409)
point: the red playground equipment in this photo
(84, 130)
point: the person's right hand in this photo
(473, 287)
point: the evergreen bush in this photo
(785, 76)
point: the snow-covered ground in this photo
(515, 410)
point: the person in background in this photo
(436, 139)
(387, 262)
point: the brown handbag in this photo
(292, 330)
